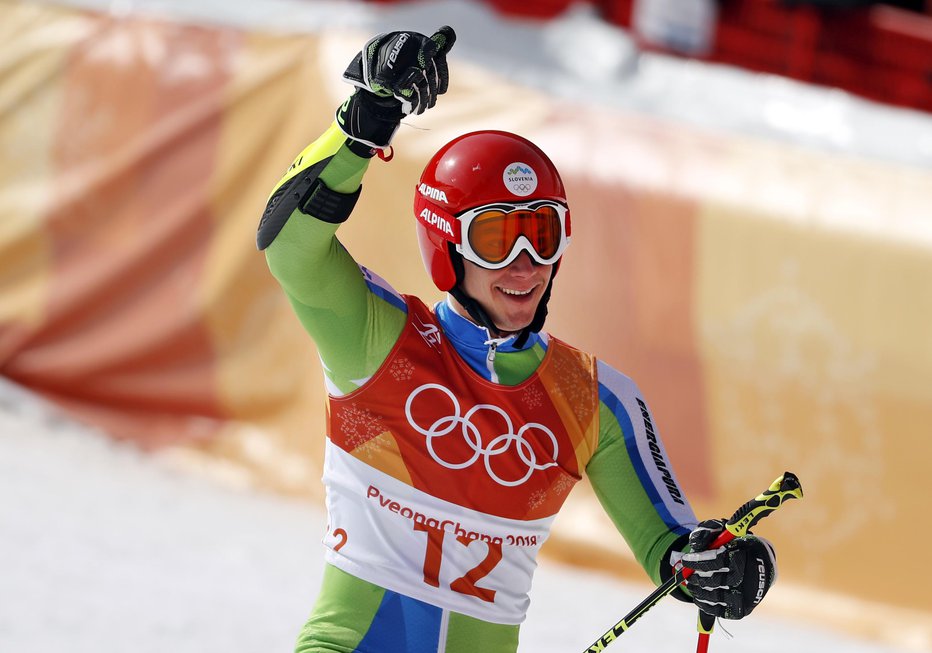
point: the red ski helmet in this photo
(474, 170)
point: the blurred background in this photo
(751, 185)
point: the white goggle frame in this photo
(522, 244)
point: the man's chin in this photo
(512, 319)
(511, 327)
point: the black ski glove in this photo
(730, 581)
(396, 74)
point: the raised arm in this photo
(353, 316)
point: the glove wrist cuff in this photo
(667, 568)
(369, 120)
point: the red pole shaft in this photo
(702, 645)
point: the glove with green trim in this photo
(730, 581)
(396, 74)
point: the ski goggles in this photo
(494, 235)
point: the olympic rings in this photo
(499, 445)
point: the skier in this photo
(455, 432)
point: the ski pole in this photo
(704, 625)
(785, 487)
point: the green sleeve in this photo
(353, 328)
(625, 501)
(632, 477)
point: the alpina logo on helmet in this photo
(433, 193)
(520, 179)
(436, 221)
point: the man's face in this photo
(510, 296)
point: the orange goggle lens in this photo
(493, 234)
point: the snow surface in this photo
(106, 549)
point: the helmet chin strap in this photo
(540, 315)
(481, 316)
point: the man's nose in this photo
(524, 264)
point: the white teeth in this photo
(509, 291)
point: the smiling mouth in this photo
(516, 293)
